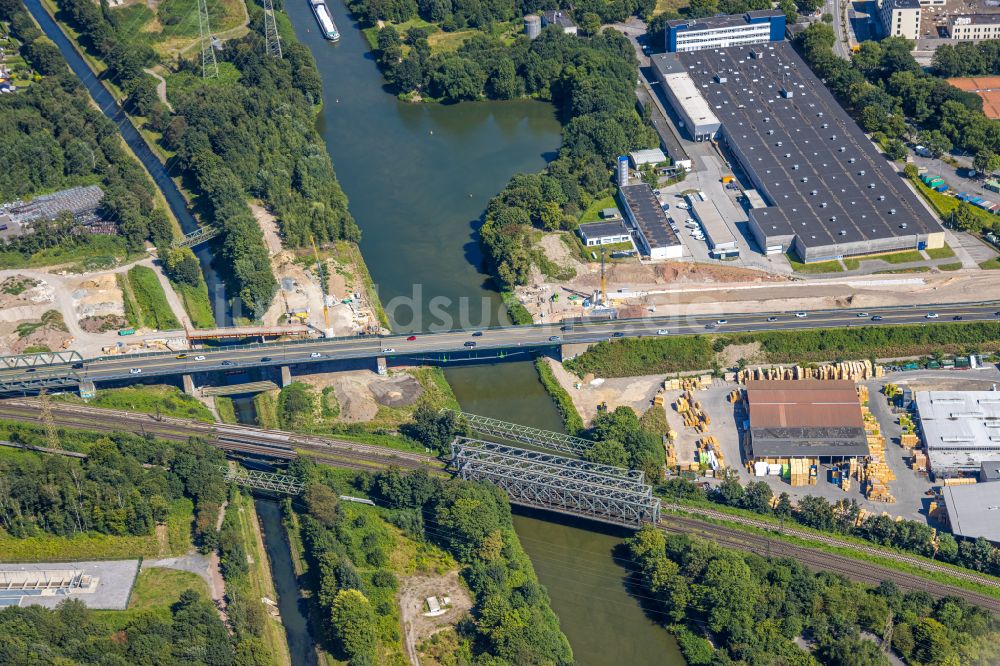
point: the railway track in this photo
(231, 438)
(922, 563)
(865, 572)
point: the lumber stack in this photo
(851, 370)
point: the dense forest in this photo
(54, 138)
(253, 136)
(967, 58)
(110, 492)
(844, 517)
(886, 90)
(72, 635)
(349, 547)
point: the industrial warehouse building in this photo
(652, 228)
(829, 192)
(961, 430)
(716, 32)
(721, 240)
(974, 511)
(809, 418)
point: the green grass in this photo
(991, 264)
(265, 404)
(944, 204)
(906, 257)
(50, 548)
(572, 421)
(154, 310)
(519, 314)
(943, 252)
(156, 589)
(196, 303)
(224, 406)
(815, 268)
(896, 271)
(128, 301)
(950, 267)
(51, 319)
(630, 357)
(551, 269)
(593, 212)
(169, 400)
(852, 263)
(91, 245)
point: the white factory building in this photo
(699, 121)
(961, 429)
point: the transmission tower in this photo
(271, 31)
(209, 68)
(51, 436)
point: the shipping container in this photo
(127, 331)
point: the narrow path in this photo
(161, 86)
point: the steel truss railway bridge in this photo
(258, 480)
(555, 483)
(547, 439)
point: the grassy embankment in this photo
(853, 551)
(441, 41)
(107, 250)
(257, 583)
(50, 548)
(572, 421)
(814, 268)
(155, 591)
(226, 410)
(682, 353)
(148, 399)
(144, 300)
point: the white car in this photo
(683, 206)
(931, 315)
(722, 322)
(199, 358)
(662, 331)
(135, 371)
(388, 350)
(801, 315)
(861, 314)
(315, 355)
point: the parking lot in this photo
(114, 585)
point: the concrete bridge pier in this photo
(87, 389)
(381, 366)
(189, 385)
(573, 349)
(286, 376)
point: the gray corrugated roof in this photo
(808, 442)
(974, 510)
(599, 229)
(837, 161)
(649, 215)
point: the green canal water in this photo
(418, 178)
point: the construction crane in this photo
(327, 331)
(51, 435)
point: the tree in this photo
(895, 150)
(986, 162)
(296, 406)
(182, 266)
(931, 643)
(854, 651)
(911, 171)
(935, 141)
(757, 497)
(590, 23)
(963, 217)
(353, 625)
(608, 452)
(435, 429)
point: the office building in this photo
(603, 233)
(974, 27)
(900, 18)
(754, 27)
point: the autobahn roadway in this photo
(487, 342)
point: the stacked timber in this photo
(850, 370)
(960, 481)
(919, 461)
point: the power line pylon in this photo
(51, 435)
(209, 68)
(271, 31)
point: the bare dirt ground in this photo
(686, 288)
(360, 393)
(413, 590)
(634, 392)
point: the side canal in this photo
(418, 178)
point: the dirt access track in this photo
(682, 288)
(413, 590)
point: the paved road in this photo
(482, 344)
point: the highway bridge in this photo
(455, 346)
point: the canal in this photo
(175, 200)
(418, 178)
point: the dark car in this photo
(470, 343)
(877, 318)
(565, 328)
(77, 366)
(477, 334)
(618, 334)
(957, 318)
(553, 338)
(266, 359)
(228, 363)
(31, 369)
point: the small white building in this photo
(645, 215)
(559, 17)
(603, 233)
(648, 156)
